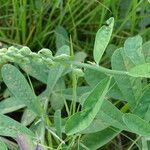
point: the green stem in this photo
(97, 68)
(74, 94)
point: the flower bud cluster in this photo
(25, 56)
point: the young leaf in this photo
(20, 88)
(81, 120)
(136, 124)
(102, 39)
(10, 127)
(96, 140)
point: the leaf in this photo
(102, 39)
(97, 95)
(96, 126)
(67, 93)
(55, 73)
(136, 124)
(57, 123)
(61, 37)
(63, 50)
(111, 115)
(80, 56)
(96, 140)
(38, 147)
(131, 88)
(24, 142)
(11, 128)
(28, 117)
(140, 71)
(19, 87)
(146, 50)
(133, 49)
(142, 108)
(3, 145)
(57, 101)
(81, 120)
(33, 68)
(10, 104)
(93, 77)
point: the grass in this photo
(52, 88)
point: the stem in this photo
(97, 68)
(74, 94)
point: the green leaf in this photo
(57, 123)
(111, 115)
(57, 101)
(97, 95)
(33, 68)
(96, 140)
(142, 108)
(136, 124)
(3, 145)
(61, 37)
(96, 126)
(102, 39)
(10, 104)
(28, 117)
(63, 50)
(142, 70)
(146, 50)
(93, 77)
(20, 88)
(131, 88)
(81, 120)
(80, 56)
(24, 142)
(10, 127)
(55, 73)
(133, 49)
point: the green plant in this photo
(76, 117)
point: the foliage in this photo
(66, 99)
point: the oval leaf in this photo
(20, 88)
(10, 127)
(136, 124)
(102, 39)
(81, 120)
(96, 140)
